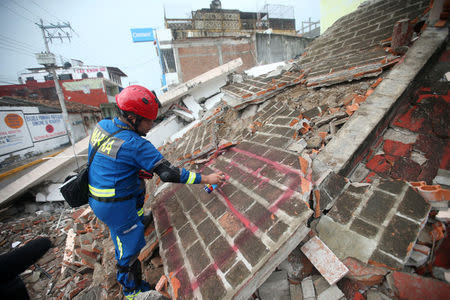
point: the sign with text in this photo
(142, 35)
(14, 134)
(45, 126)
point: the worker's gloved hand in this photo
(145, 175)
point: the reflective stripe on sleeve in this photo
(191, 178)
(102, 192)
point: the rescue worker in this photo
(114, 183)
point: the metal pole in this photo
(60, 98)
(163, 78)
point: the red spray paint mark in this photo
(240, 216)
(282, 168)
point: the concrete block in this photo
(442, 177)
(320, 284)
(443, 215)
(359, 173)
(325, 261)
(441, 273)
(401, 135)
(275, 287)
(298, 146)
(331, 293)
(193, 106)
(296, 291)
(417, 259)
(198, 82)
(308, 289)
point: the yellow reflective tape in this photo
(119, 244)
(191, 178)
(102, 192)
(140, 212)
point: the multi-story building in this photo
(91, 85)
(215, 36)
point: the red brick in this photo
(365, 274)
(380, 165)
(396, 148)
(412, 287)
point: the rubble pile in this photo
(81, 263)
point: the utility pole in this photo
(49, 62)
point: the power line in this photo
(20, 47)
(15, 51)
(44, 9)
(16, 13)
(20, 5)
(9, 38)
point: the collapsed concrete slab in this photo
(227, 243)
(257, 90)
(362, 129)
(43, 171)
(199, 82)
(377, 224)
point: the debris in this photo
(275, 287)
(331, 268)
(443, 215)
(332, 293)
(308, 289)
(409, 286)
(365, 274)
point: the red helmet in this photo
(139, 100)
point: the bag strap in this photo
(91, 157)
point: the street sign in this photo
(142, 35)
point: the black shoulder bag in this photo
(75, 188)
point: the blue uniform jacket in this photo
(114, 169)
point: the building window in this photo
(65, 77)
(48, 77)
(168, 61)
(99, 74)
(84, 76)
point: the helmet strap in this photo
(135, 124)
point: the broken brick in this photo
(409, 286)
(396, 148)
(380, 165)
(365, 274)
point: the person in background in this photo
(115, 173)
(14, 263)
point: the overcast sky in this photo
(102, 31)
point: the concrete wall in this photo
(197, 56)
(271, 48)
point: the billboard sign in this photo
(14, 134)
(45, 126)
(142, 35)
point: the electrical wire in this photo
(19, 42)
(16, 13)
(16, 51)
(18, 47)
(20, 5)
(48, 12)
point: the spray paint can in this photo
(210, 187)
